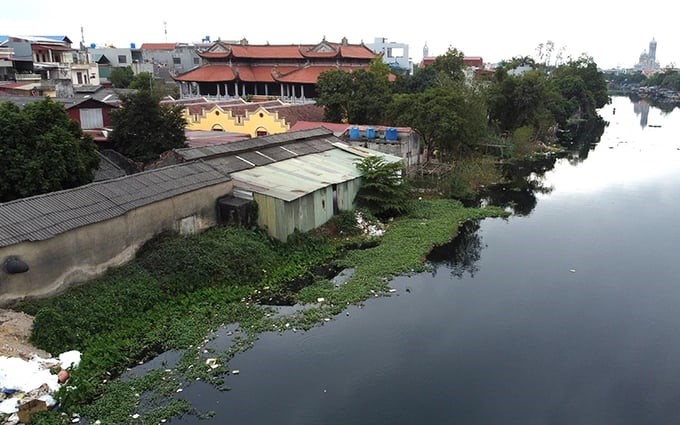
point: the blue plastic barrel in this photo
(370, 133)
(354, 133)
(391, 134)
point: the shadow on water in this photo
(582, 137)
(462, 253)
(525, 179)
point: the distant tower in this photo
(165, 30)
(426, 51)
(652, 50)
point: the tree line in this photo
(454, 112)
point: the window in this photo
(177, 61)
(122, 59)
(197, 61)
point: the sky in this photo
(612, 33)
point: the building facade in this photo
(393, 54)
(289, 72)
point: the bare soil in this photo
(15, 328)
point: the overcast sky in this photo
(613, 33)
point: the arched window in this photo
(217, 127)
(261, 131)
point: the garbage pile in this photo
(368, 228)
(26, 386)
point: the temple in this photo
(288, 72)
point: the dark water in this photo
(567, 313)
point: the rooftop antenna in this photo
(82, 35)
(165, 30)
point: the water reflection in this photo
(642, 108)
(524, 180)
(582, 137)
(462, 253)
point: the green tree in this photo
(450, 65)
(520, 100)
(421, 80)
(383, 191)
(449, 119)
(590, 93)
(358, 97)
(146, 81)
(332, 93)
(120, 77)
(143, 128)
(42, 150)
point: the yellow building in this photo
(236, 117)
(253, 118)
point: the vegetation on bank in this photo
(181, 288)
(459, 113)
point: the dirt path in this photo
(15, 327)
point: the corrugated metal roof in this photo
(364, 152)
(44, 216)
(258, 143)
(293, 178)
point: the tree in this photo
(42, 150)
(450, 119)
(581, 82)
(358, 97)
(143, 128)
(421, 80)
(450, 65)
(383, 191)
(521, 100)
(120, 77)
(146, 81)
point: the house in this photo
(90, 113)
(65, 237)
(49, 66)
(402, 142)
(289, 72)
(108, 58)
(393, 54)
(170, 59)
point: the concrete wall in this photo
(88, 251)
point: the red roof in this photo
(356, 52)
(209, 73)
(284, 74)
(50, 47)
(310, 74)
(159, 46)
(473, 61)
(341, 128)
(296, 52)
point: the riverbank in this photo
(181, 289)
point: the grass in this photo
(180, 289)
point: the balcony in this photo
(27, 77)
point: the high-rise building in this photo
(647, 63)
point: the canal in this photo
(568, 312)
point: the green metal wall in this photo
(281, 218)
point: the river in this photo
(568, 312)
